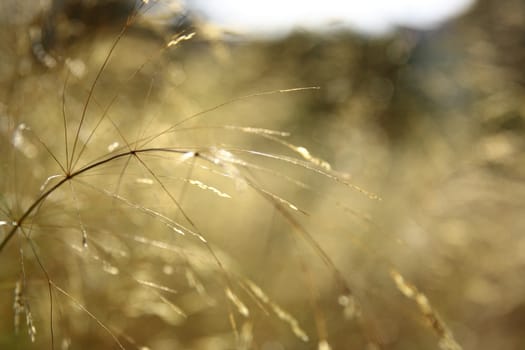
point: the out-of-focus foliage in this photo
(433, 122)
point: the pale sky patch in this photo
(279, 17)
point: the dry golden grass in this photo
(170, 192)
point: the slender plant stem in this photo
(19, 222)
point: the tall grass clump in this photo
(136, 216)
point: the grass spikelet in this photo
(446, 338)
(278, 311)
(18, 305)
(241, 307)
(179, 39)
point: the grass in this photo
(131, 217)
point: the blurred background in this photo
(421, 103)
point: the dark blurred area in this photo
(432, 121)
